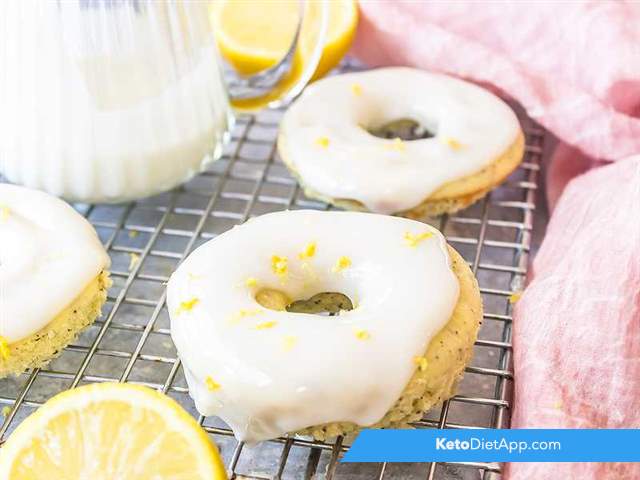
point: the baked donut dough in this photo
(474, 142)
(53, 277)
(410, 314)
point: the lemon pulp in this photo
(106, 431)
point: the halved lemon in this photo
(255, 34)
(110, 431)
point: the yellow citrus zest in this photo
(280, 265)
(452, 143)
(242, 313)
(4, 213)
(211, 384)
(187, 305)
(341, 264)
(265, 325)
(514, 297)
(413, 240)
(290, 342)
(362, 334)
(309, 251)
(322, 142)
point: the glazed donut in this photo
(474, 142)
(53, 277)
(407, 310)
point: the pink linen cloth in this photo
(576, 332)
(575, 67)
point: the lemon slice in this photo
(110, 431)
(254, 35)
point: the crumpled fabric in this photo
(575, 67)
(576, 336)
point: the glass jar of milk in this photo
(113, 100)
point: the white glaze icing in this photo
(108, 101)
(48, 254)
(387, 177)
(308, 369)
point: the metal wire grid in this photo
(147, 239)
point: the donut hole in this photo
(323, 303)
(406, 129)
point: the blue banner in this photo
(526, 445)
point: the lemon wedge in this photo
(107, 431)
(253, 35)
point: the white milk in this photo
(104, 101)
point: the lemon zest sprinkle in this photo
(6, 410)
(362, 334)
(211, 384)
(280, 265)
(421, 362)
(322, 142)
(242, 313)
(309, 251)
(187, 305)
(413, 240)
(4, 212)
(290, 342)
(396, 144)
(356, 88)
(251, 282)
(514, 297)
(341, 264)
(266, 325)
(134, 259)
(452, 143)
(193, 276)
(133, 233)
(4, 348)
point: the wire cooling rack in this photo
(147, 240)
